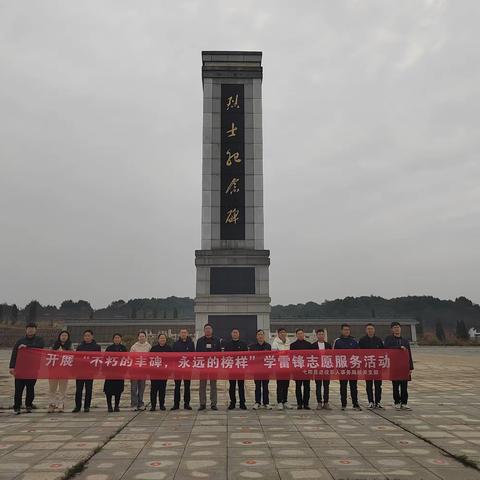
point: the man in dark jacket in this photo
(400, 387)
(88, 345)
(321, 344)
(261, 386)
(183, 344)
(208, 343)
(347, 342)
(158, 388)
(371, 341)
(30, 340)
(302, 398)
(236, 345)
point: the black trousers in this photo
(282, 391)
(88, 384)
(400, 391)
(302, 398)
(158, 389)
(353, 392)
(20, 386)
(261, 392)
(186, 392)
(241, 391)
(109, 399)
(377, 397)
(326, 390)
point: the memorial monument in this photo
(232, 286)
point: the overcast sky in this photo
(371, 146)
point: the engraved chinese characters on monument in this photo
(232, 200)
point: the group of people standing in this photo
(113, 389)
(345, 342)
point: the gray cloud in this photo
(370, 143)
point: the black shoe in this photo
(86, 410)
(357, 407)
(17, 411)
(162, 407)
(299, 407)
(33, 407)
(152, 409)
(187, 407)
(202, 407)
(231, 406)
(243, 406)
(116, 409)
(28, 410)
(76, 410)
(175, 407)
(110, 410)
(306, 407)
(344, 407)
(214, 407)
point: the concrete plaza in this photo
(426, 443)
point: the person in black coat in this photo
(30, 340)
(371, 341)
(183, 344)
(321, 344)
(303, 399)
(400, 387)
(159, 387)
(114, 388)
(236, 345)
(208, 343)
(261, 386)
(88, 345)
(346, 342)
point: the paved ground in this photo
(183, 445)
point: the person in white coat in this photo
(57, 387)
(137, 387)
(281, 342)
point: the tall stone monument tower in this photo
(232, 266)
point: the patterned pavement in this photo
(181, 445)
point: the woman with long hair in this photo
(58, 386)
(114, 388)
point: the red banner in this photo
(281, 365)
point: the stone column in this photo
(232, 266)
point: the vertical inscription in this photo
(232, 149)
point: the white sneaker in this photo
(268, 407)
(287, 406)
(405, 407)
(280, 406)
(319, 406)
(256, 406)
(371, 405)
(398, 406)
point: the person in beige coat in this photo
(137, 387)
(57, 387)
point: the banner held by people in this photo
(387, 364)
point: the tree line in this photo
(442, 318)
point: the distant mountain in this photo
(429, 311)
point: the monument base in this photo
(232, 291)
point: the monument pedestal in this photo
(232, 291)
